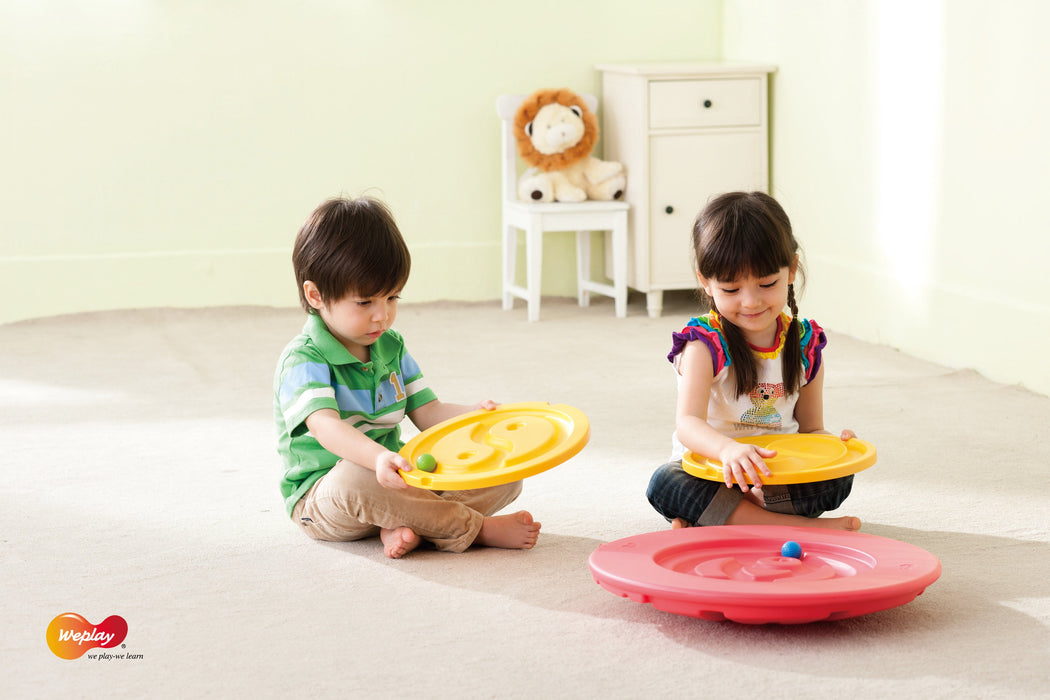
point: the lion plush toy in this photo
(555, 133)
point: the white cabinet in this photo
(684, 131)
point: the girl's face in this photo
(356, 322)
(753, 304)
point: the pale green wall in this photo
(164, 152)
(911, 149)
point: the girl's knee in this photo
(815, 499)
(663, 477)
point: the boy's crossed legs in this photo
(348, 503)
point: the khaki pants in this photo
(348, 503)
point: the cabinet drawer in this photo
(691, 103)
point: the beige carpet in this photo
(140, 480)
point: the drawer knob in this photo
(669, 209)
(707, 104)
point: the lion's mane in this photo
(555, 161)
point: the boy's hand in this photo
(487, 404)
(387, 466)
(741, 458)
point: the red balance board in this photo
(736, 572)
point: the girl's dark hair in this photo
(748, 233)
(350, 246)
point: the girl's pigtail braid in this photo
(745, 367)
(792, 359)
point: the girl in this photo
(746, 368)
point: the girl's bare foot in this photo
(747, 513)
(848, 523)
(398, 542)
(511, 531)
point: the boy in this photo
(342, 388)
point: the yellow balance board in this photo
(487, 448)
(801, 458)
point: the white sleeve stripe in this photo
(305, 398)
(386, 422)
(415, 386)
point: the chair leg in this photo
(619, 255)
(583, 266)
(534, 267)
(510, 263)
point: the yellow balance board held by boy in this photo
(487, 448)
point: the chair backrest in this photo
(506, 108)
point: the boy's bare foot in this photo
(398, 542)
(511, 531)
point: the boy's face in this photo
(355, 321)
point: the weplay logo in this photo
(70, 636)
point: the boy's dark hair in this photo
(350, 246)
(741, 233)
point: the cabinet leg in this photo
(654, 303)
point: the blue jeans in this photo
(675, 493)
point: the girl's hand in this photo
(740, 459)
(847, 434)
(387, 466)
(487, 404)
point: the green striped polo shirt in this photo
(316, 371)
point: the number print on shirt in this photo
(399, 391)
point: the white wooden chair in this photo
(535, 219)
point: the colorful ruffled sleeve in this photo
(709, 330)
(813, 341)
